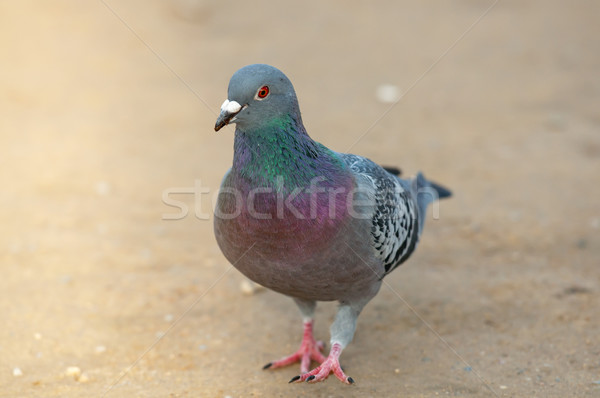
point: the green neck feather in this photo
(281, 155)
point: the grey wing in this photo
(394, 226)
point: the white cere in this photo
(224, 106)
(231, 107)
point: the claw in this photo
(310, 378)
(267, 366)
(350, 380)
(295, 378)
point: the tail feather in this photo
(427, 192)
(441, 191)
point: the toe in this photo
(283, 361)
(305, 363)
(339, 373)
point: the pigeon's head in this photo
(257, 94)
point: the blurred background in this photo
(106, 105)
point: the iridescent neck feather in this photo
(282, 156)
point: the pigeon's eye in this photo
(262, 93)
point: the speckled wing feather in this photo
(394, 227)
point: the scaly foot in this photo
(309, 349)
(331, 364)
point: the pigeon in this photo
(306, 221)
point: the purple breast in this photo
(283, 226)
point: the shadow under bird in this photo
(309, 222)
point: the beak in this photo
(228, 111)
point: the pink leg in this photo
(309, 349)
(331, 364)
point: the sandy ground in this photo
(98, 122)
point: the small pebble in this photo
(100, 349)
(388, 93)
(17, 372)
(169, 318)
(37, 336)
(250, 288)
(596, 382)
(84, 378)
(73, 371)
(396, 370)
(246, 287)
(102, 188)
(503, 387)
(468, 368)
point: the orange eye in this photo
(262, 92)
